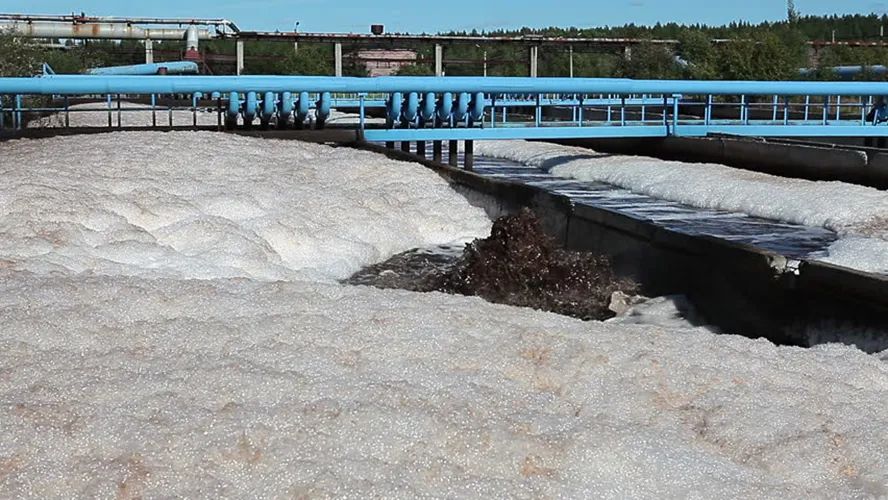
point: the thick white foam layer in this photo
(205, 205)
(130, 386)
(848, 209)
(120, 377)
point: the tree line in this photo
(763, 51)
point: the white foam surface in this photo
(201, 205)
(121, 375)
(849, 209)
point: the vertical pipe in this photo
(110, 113)
(676, 99)
(194, 111)
(219, 113)
(485, 63)
(807, 103)
(708, 116)
(453, 155)
(437, 151)
(538, 112)
(421, 149)
(405, 146)
(534, 53)
(67, 114)
(469, 157)
(838, 107)
(774, 109)
(153, 110)
(171, 114)
(337, 58)
(439, 59)
(786, 110)
(580, 112)
(119, 112)
(16, 117)
(622, 110)
(2, 111)
(362, 112)
(744, 112)
(240, 57)
(149, 51)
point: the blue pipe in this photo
(285, 107)
(100, 84)
(411, 107)
(302, 107)
(477, 107)
(428, 107)
(445, 107)
(172, 68)
(269, 105)
(322, 111)
(250, 108)
(233, 105)
(394, 107)
(462, 107)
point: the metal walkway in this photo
(475, 108)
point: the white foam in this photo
(205, 205)
(120, 377)
(155, 387)
(848, 209)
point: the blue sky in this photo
(423, 15)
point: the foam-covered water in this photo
(201, 205)
(121, 375)
(848, 209)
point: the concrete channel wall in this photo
(805, 159)
(738, 288)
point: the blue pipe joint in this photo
(477, 107)
(411, 107)
(234, 105)
(251, 107)
(216, 95)
(462, 107)
(269, 106)
(428, 107)
(302, 106)
(322, 111)
(393, 106)
(445, 107)
(285, 106)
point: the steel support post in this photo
(469, 159)
(439, 59)
(405, 146)
(337, 56)
(453, 158)
(149, 51)
(240, 57)
(421, 149)
(437, 151)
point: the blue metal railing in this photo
(440, 108)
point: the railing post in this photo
(2, 113)
(19, 117)
(453, 153)
(676, 100)
(119, 112)
(67, 113)
(362, 112)
(153, 110)
(390, 144)
(421, 149)
(110, 112)
(405, 146)
(707, 120)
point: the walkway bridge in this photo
(475, 108)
